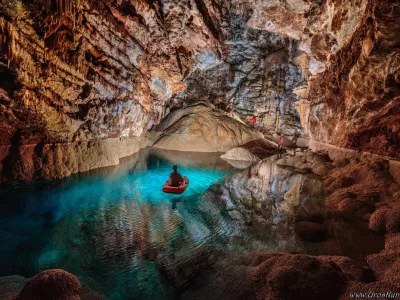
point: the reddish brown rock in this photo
(356, 102)
(51, 284)
(355, 208)
(385, 220)
(287, 276)
(392, 242)
(386, 265)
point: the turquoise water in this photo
(114, 228)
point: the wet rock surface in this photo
(273, 193)
(240, 154)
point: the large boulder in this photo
(51, 284)
(201, 128)
(241, 154)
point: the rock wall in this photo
(29, 162)
(255, 75)
(355, 102)
(352, 47)
(87, 71)
(81, 71)
(84, 70)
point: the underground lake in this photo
(125, 239)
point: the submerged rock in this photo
(318, 164)
(240, 154)
(386, 267)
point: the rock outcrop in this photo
(240, 153)
(286, 276)
(200, 128)
(21, 163)
(364, 188)
(282, 276)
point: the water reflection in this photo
(115, 226)
(266, 199)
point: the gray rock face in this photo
(255, 74)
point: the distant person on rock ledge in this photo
(296, 137)
(281, 141)
(176, 178)
(254, 120)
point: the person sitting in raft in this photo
(176, 178)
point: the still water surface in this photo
(114, 226)
(125, 239)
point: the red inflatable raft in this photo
(175, 190)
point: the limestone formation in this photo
(241, 154)
(83, 82)
(200, 128)
(83, 71)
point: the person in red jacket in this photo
(254, 120)
(281, 141)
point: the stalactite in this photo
(277, 112)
